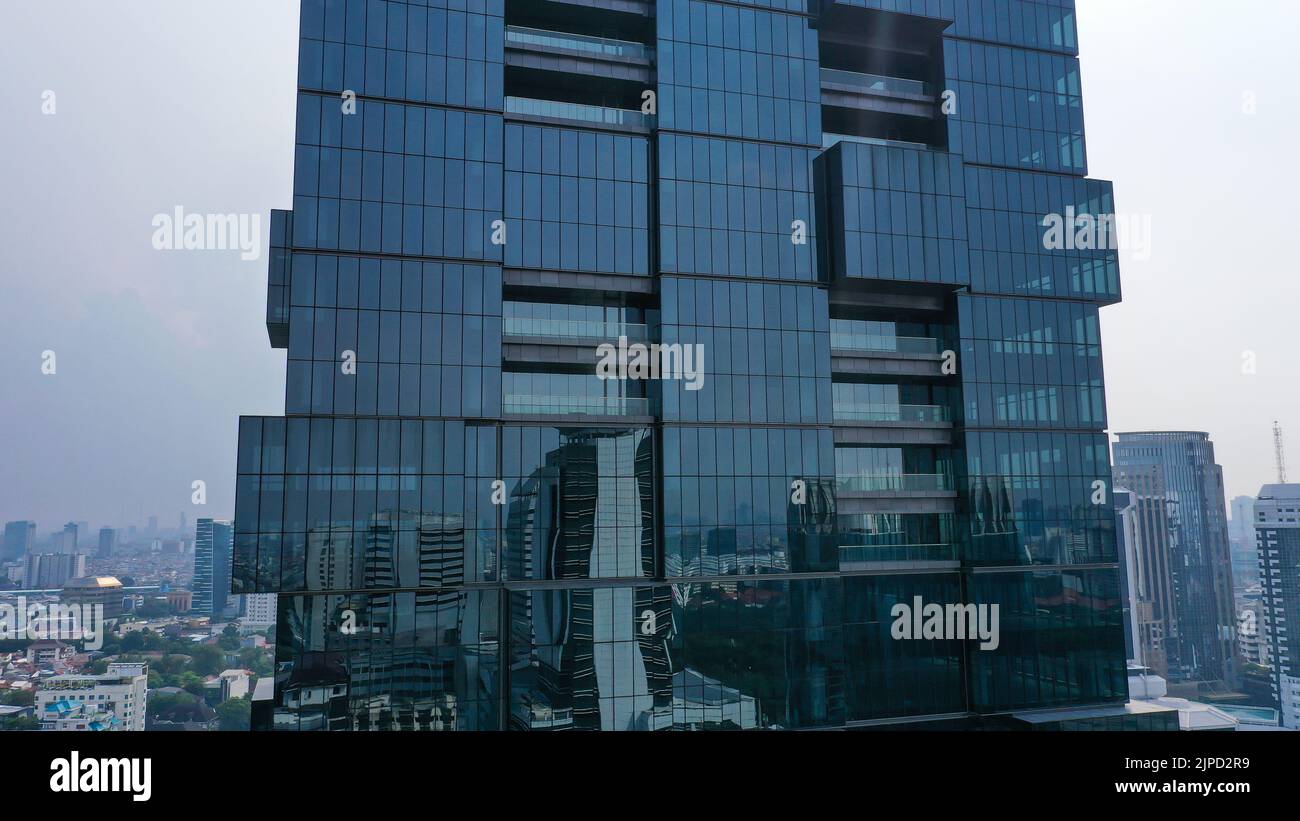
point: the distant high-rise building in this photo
(20, 539)
(46, 571)
(1250, 633)
(68, 540)
(1204, 648)
(153, 526)
(107, 541)
(1142, 530)
(1277, 539)
(1241, 541)
(259, 611)
(212, 545)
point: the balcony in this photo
(882, 104)
(892, 425)
(874, 354)
(876, 83)
(874, 343)
(581, 406)
(572, 331)
(556, 111)
(924, 414)
(563, 342)
(921, 493)
(602, 47)
(894, 483)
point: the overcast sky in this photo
(165, 103)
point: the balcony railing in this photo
(876, 82)
(920, 482)
(885, 344)
(604, 46)
(575, 329)
(585, 405)
(890, 413)
(578, 111)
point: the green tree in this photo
(18, 698)
(257, 660)
(172, 664)
(142, 641)
(208, 660)
(235, 714)
(229, 638)
(191, 683)
(159, 703)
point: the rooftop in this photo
(92, 582)
(1291, 490)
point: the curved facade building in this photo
(1201, 635)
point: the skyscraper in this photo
(20, 538)
(1142, 511)
(47, 571)
(69, 539)
(1241, 543)
(1200, 565)
(878, 375)
(212, 546)
(107, 541)
(1277, 528)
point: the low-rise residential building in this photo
(122, 691)
(230, 684)
(50, 654)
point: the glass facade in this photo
(1202, 644)
(472, 525)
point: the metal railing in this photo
(876, 82)
(578, 111)
(605, 46)
(884, 344)
(890, 413)
(587, 405)
(893, 482)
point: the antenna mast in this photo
(1279, 450)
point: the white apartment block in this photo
(120, 692)
(259, 611)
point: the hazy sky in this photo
(165, 103)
